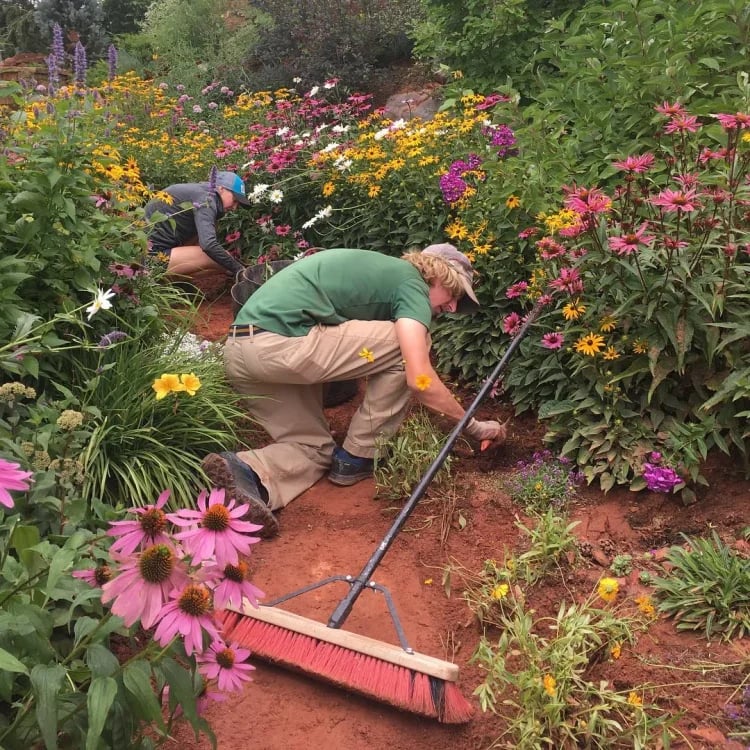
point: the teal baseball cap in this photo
(233, 182)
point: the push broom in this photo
(411, 681)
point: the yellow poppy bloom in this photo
(590, 344)
(367, 355)
(573, 310)
(549, 683)
(166, 384)
(423, 382)
(608, 589)
(190, 382)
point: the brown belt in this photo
(248, 330)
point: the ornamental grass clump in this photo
(707, 589)
(544, 482)
(653, 312)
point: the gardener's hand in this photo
(490, 430)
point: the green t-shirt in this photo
(333, 286)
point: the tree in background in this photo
(18, 28)
(80, 20)
(124, 16)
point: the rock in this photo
(409, 104)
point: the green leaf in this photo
(101, 661)
(137, 680)
(101, 694)
(9, 663)
(45, 684)
(180, 688)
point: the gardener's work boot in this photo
(347, 469)
(240, 482)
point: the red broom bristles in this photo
(367, 675)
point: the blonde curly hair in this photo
(436, 270)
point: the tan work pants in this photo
(285, 375)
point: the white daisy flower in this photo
(101, 302)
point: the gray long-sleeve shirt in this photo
(194, 213)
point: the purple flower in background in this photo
(110, 338)
(112, 61)
(79, 64)
(504, 138)
(453, 187)
(58, 46)
(660, 478)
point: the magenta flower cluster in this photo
(660, 478)
(452, 184)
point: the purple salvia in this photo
(53, 73)
(212, 178)
(79, 64)
(110, 338)
(58, 47)
(112, 61)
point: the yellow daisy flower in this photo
(590, 344)
(328, 189)
(166, 384)
(549, 683)
(608, 589)
(499, 592)
(367, 355)
(640, 346)
(645, 605)
(513, 201)
(423, 382)
(611, 353)
(634, 699)
(190, 382)
(615, 651)
(573, 310)
(608, 324)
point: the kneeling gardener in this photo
(337, 315)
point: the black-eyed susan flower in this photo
(611, 353)
(513, 201)
(608, 324)
(573, 310)
(640, 346)
(590, 344)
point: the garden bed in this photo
(331, 530)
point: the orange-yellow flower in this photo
(615, 651)
(166, 384)
(190, 382)
(590, 344)
(608, 589)
(549, 683)
(513, 201)
(645, 605)
(500, 591)
(573, 310)
(367, 355)
(423, 382)
(634, 699)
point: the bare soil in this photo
(331, 530)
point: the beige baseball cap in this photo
(462, 264)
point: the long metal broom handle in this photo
(360, 582)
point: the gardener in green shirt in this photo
(336, 315)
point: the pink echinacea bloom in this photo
(188, 614)
(12, 477)
(146, 530)
(217, 531)
(511, 323)
(225, 664)
(553, 340)
(143, 584)
(233, 586)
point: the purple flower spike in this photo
(79, 64)
(112, 61)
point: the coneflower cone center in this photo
(153, 522)
(156, 563)
(225, 658)
(216, 518)
(195, 601)
(235, 573)
(102, 574)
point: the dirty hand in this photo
(489, 430)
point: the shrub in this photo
(542, 483)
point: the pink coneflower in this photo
(733, 122)
(516, 290)
(217, 531)
(682, 124)
(12, 478)
(524, 234)
(233, 236)
(587, 201)
(232, 586)
(671, 243)
(628, 243)
(146, 530)
(549, 248)
(511, 323)
(573, 230)
(143, 584)
(225, 664)
(568, 281)
(707, 155)
(188, 614)
(635, 164)
(95, 577)
(676, 200)
(665, 108)
(553, 340)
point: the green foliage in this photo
(539, 676)
(124, 16)
(543, 482)
(77, 18)
(402, 459)
(708, 588)
(552, 545)
(19, 30)
(622, 565)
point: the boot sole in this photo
(219, 471)
(347, 480)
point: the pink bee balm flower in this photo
(188, 614)
(217, 531)
(733, 122)
(683, 201)
(588, 201)
(146, 530)
(665, 108)
(224, 664)
(233, 586)
(682, 124)
(635, 164)
(553, 340)
(143, 585)
(12, 478)
(628, 243)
